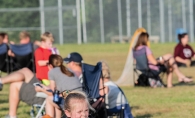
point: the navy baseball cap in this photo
(75, 57)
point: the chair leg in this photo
(121, 114)
(40, 110)
(32, 112)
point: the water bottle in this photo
(56, 96)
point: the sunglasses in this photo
(65, 93)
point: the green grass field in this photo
(176, 102)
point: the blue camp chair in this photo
(4, 59)
(143, 66)
(91, 79)
(24, 57)
(118, 113)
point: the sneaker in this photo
(7, 116)
(1, 86)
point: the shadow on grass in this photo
(147, 115)
(143, 116)
(4, 101)
(4, 109)
(135, 107)
(184, 84)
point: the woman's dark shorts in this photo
(27, 93)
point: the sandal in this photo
(186, 80)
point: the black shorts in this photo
(184, 65)
(27, 93)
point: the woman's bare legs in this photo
(14, 97)
(169, 79)
(181, 77)
(52, 109)
(21, 75)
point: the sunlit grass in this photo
(176, 102)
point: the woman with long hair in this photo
(61, 79)
(166, 61)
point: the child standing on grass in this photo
(42, 55)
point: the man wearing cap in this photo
(74, 63)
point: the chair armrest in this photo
(41, 95)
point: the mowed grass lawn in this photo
(176, 102)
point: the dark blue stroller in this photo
(4, 59)
(91, 79)
(24, 57)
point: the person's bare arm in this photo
(42, 62)
(11, 54)
(39, 89)
(179, 59)
(151, 59)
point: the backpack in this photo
(144, 80)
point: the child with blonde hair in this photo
(76, 105)
(115, 98)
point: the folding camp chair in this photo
(121, 106)
(143, 66)
(91, 79)
(39, 108)
(24, 57)
(4, 62)
(119, 113)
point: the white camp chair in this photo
(41, 95)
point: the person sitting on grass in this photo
(74, 63)
(166, 61)
(115, 98)
(183, 52)
(60, 79)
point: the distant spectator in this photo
(165, 63)
(24, 39)
(4, 37)
(183, 52)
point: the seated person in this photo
(76, 105)
(114, 99)
(74, 62)
(157, 66)
(4, 37)
(21, 89)
(183, 52)
(24, 39)
(60, 79)
(23, 79)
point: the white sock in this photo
(12, 116)
(0, 81)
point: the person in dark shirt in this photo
(183, 52)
